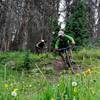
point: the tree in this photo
(55, 27)
(76, 24)
(23, 22)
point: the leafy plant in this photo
(26, 64)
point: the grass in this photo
(30, 84)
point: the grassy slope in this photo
(35, 85)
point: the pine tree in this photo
(76, 25)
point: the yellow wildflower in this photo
(87, 72)
(98, 91)
(15, 90)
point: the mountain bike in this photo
(67, 59)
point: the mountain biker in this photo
(64, 41)
(40, 46)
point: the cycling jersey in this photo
(63, 42)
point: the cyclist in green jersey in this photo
(64, 41)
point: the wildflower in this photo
(15, 90)
(98, 91)
(74, 84)
(14, 93)
(87, 72)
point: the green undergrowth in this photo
(88, 57)
(26, 76)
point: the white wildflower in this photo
(74, 84)
(14, 93)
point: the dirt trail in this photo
(59, 66)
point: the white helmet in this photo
(61, 33)
(42, 40)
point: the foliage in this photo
(26, 64)
(77, 24)
(55, 27)
(96, 43)
(15, 85)
(81, 86)
(54, 24)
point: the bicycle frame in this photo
(67, 58)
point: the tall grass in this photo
(20, 85)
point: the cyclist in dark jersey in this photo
(40, 46)
(64, 41)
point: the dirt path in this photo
(59, 66)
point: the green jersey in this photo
(60, 43)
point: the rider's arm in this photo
(57, 44)
(70, 38)
(37, 44)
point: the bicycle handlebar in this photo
(63, 48)
(66, 48)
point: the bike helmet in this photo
(42, 40)
(61, 33)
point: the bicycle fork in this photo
(68, 62)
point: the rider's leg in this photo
(62, 56)
(68, 60)
(70, 53)
(64, 60)
(71, 56)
